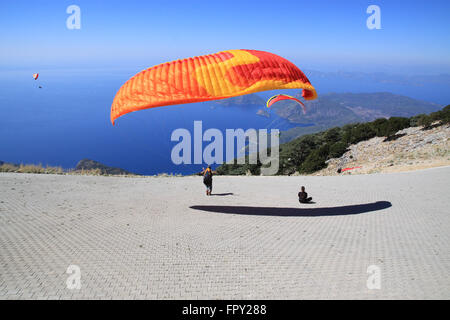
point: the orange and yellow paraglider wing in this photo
(217, 76)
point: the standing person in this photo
(207, 180)
(303, 196)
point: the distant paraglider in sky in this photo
(35, 77)
(281, 97)
(211, 77)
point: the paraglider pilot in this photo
(207, 179)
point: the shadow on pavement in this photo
(299, 212)
(222, 194)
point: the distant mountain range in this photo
(416, 80)
(249, 100)
(335, 109)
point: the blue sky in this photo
(323, 35)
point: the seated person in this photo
(303, 196)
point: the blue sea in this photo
(68, 119)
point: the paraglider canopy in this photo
(216, 76)
(35, 76)
(348, 169)
(280, 97)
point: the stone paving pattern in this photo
(139, 238)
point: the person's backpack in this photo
(207, 178)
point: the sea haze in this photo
(68, 118)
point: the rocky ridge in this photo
(410, 149)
